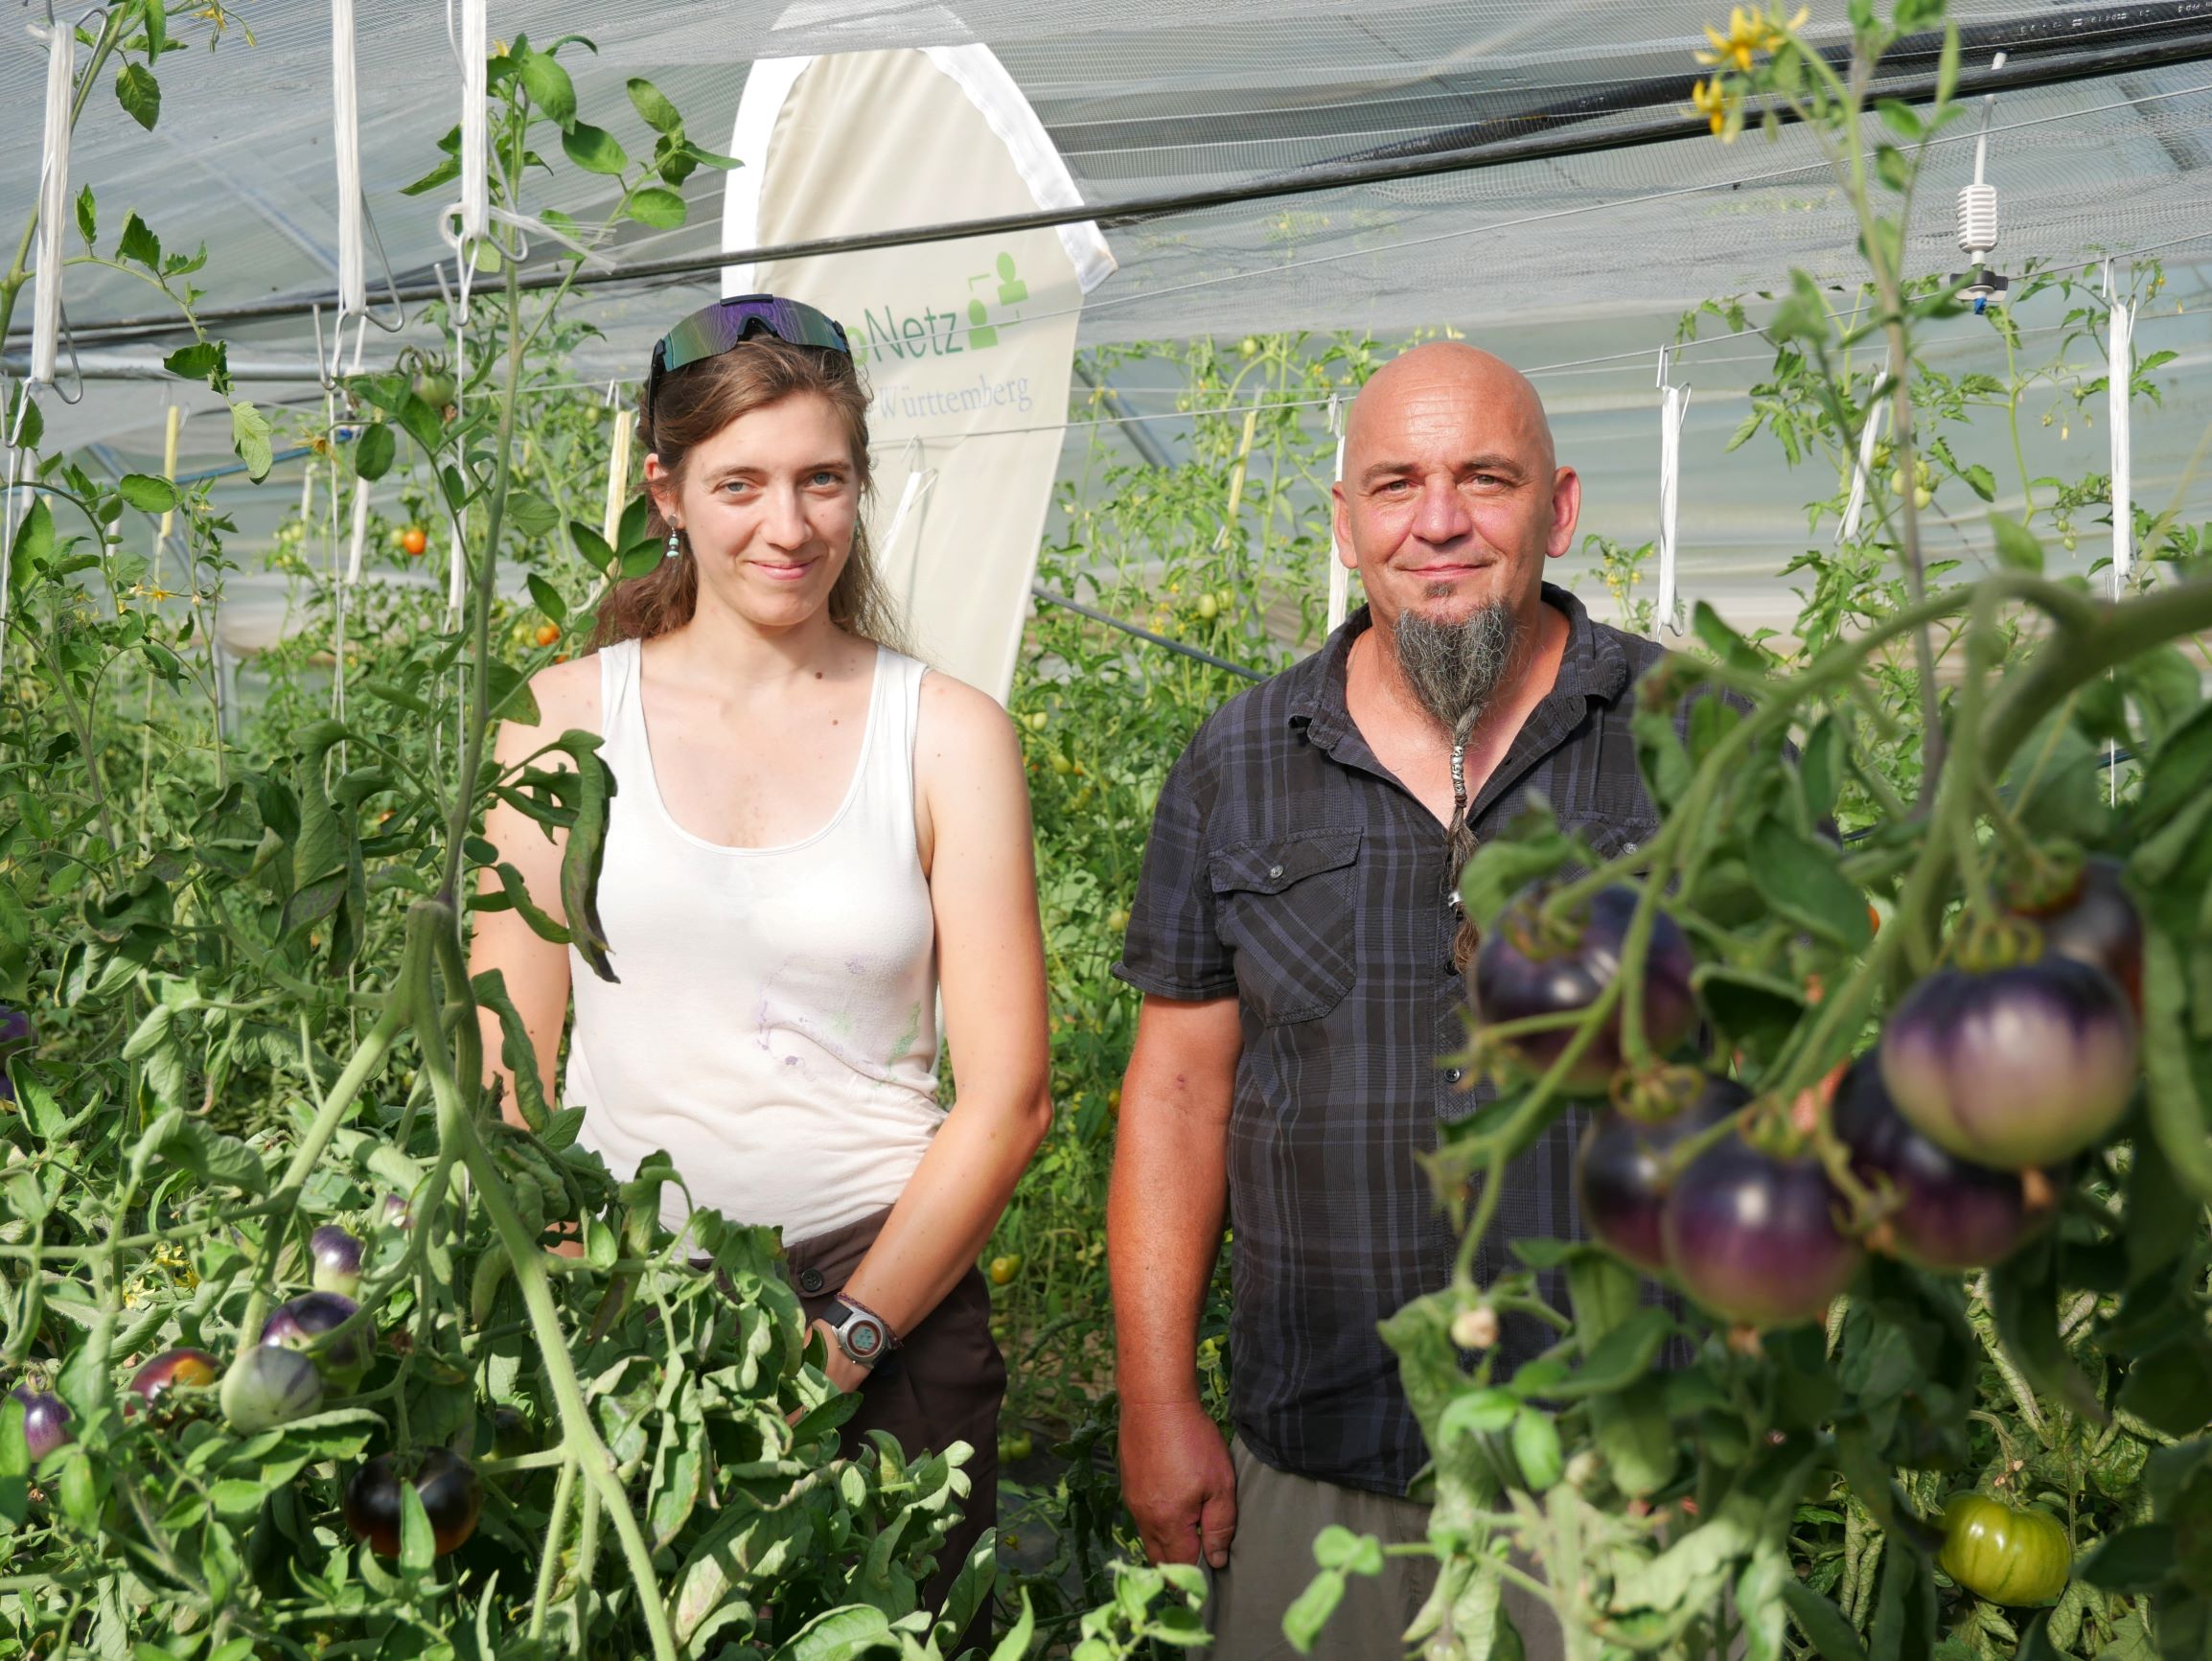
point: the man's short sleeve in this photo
(1172, 948)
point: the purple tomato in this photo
(2094, 921)
(194, 1369)
(1753, 1238)
(2019, 1067)
(1952, 1214)
(1522, 970)
(1620, 1171)
(337, 1260)
(45, 1420)
(267, 1387)
(301, 1323)
(451, 1494)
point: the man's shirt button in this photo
(1273, 872)
(809, 1281)
(1453, 1076)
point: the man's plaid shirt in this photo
(1289, 868)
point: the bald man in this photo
(1297, 937)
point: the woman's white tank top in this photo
(775, 1028)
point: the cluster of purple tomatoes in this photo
(284, 1377)
(1960, 1125)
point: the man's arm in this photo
(1164, 1218)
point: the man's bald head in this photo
(1445, 373)
(1452, 497)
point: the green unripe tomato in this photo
(2016, 1558)
(1248, 346)
(1921, 495)
(1897, 484)
(1117, 920)
(1208, 608)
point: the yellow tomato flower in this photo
(1747, 34)
(1750, 31)
(1716, 104)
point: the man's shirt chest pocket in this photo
(1286, 907)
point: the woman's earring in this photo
(673, 548)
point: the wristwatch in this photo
(865, 1337)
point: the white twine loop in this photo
(1674, 405)
(1863, 469)
(346, 147)
(52, 203)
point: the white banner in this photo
(967, 346)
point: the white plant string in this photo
(346, 147)
(1674, 405)
(53, 203)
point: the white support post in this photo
(619, 473)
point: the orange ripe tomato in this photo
(416, 541)
(548, 632)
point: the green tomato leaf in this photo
(592, 546)
(548, 599)
(1799, 879)
(1821, 1623)
(207, 360)
(87, 216)
(139, 93)
(660, 114)
(374, 451)
(1947, 65)
(137, 242)
(2016, 545)
(448, 169)
(418, 1543)
(1537, 1449)
(549, 88)
(1310, 1611)
(2025, 1298)
(656, 206)
(594, 149)
(146, 492)
(250, 436)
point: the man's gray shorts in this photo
(1271, 1563)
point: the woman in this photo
(811, 838)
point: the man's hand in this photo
(1178, 1481)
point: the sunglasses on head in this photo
(713, 330)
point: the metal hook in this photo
(76, 369)
(391, 283)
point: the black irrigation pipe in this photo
(1113, 622)
(2044, 51)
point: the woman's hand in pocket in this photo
(841, 1370)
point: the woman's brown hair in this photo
(690, 406)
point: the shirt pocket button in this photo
(809, 1281)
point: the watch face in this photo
(863, 1338)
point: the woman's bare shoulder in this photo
(958, 716)
(567, 695)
